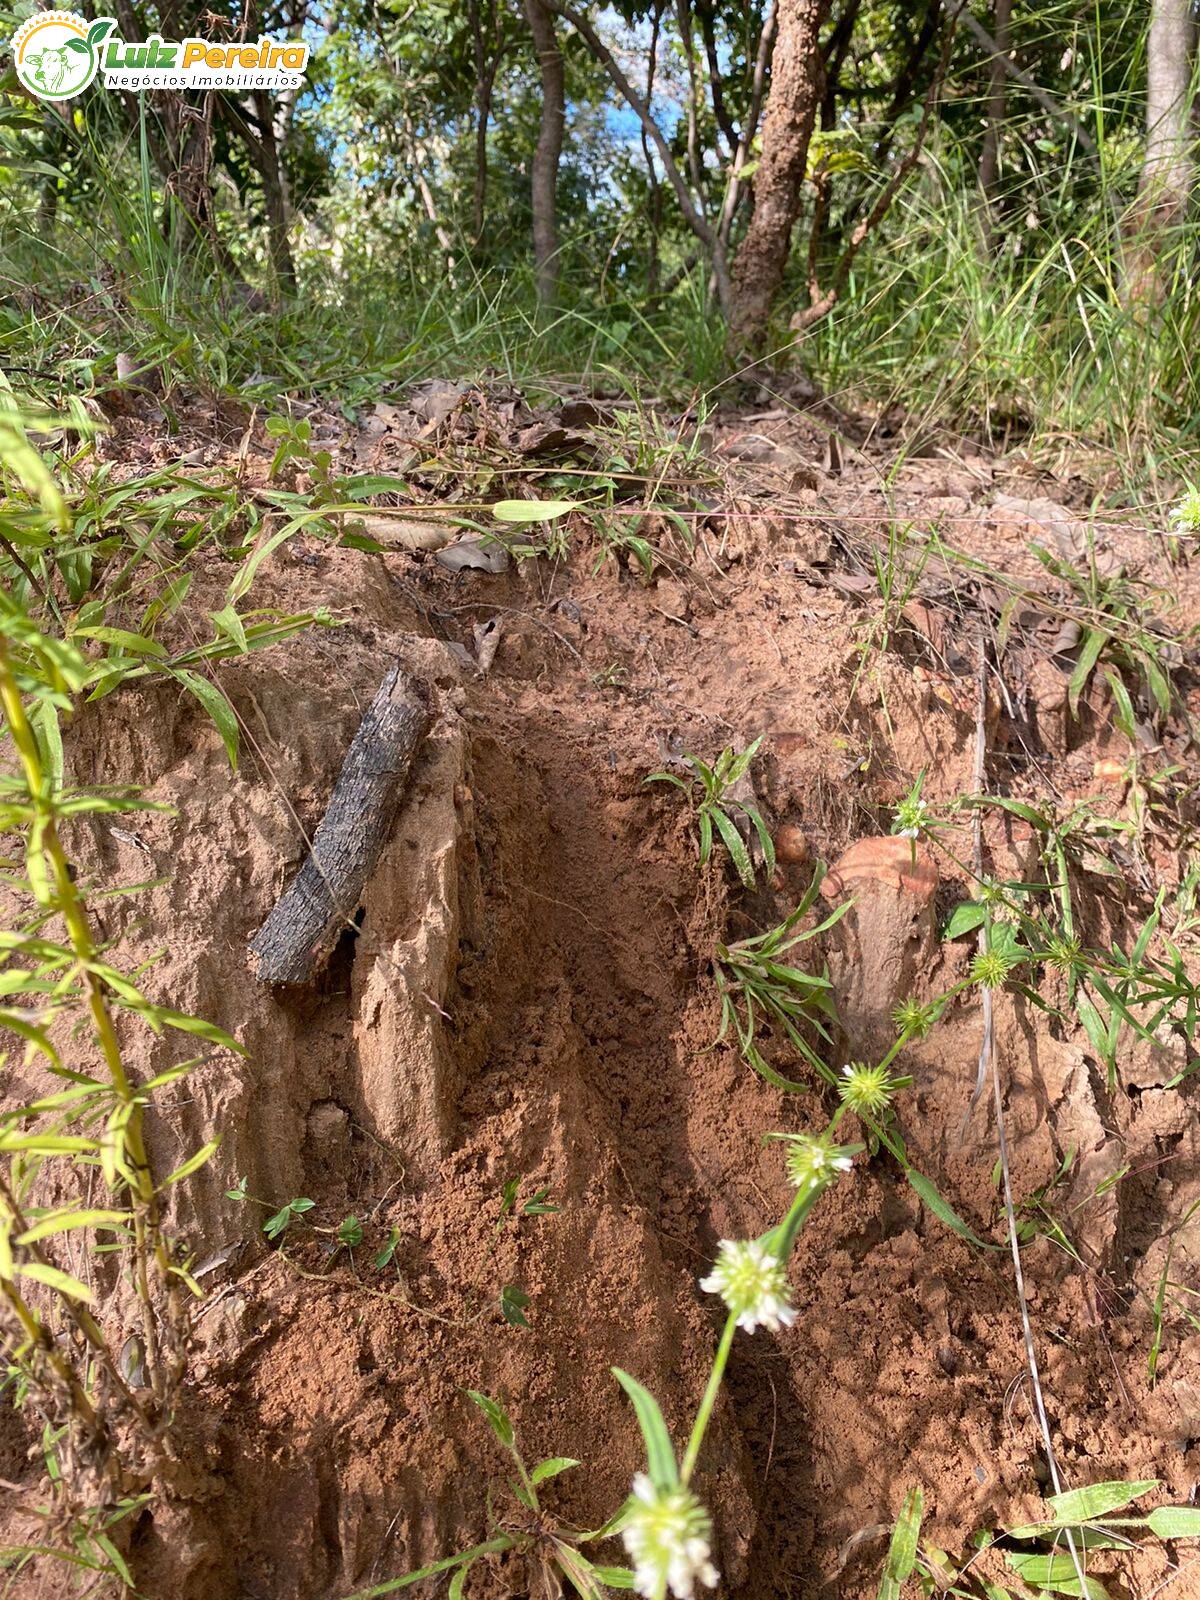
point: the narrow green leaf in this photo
(218, 707)
(1093, 643)
(193, 1162)
(503, 1541)
(942, 1208)
(615, 1577)
(902, 1552)
(53, 1278)
(660, 1454)
(532, 510)
(63, 1221)
(706, 837)
(497, 1416)
(456, 1590)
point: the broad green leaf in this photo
(1056, 1573)
(532, 510)
(660, 1453)
(1098, 1499)
(736, 846)
(965, 918)
(551, 1468)
(1175, 1522)
(513, 1304)
(228, 622)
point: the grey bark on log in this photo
(298, 937)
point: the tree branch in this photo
(693, 215)
(1043, 97)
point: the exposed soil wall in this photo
(527, 994)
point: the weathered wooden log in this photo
(298, 937)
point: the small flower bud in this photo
(990, 969)
(869, 1089)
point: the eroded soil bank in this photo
(528, 995)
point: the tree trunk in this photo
(1168, 164)
(997, 100)
(654, 209)
(274, 195)
(486, 67)
(1168, 167)
(778, 184)
(549, 148)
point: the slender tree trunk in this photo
(792, 104)
(548, 151)
(836, 48)
(483, 117)
(486, 67)
(273, 194)
(1168, 167)
(654, 207)
(689, 203)
(708, 29)
(997, 101)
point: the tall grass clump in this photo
(1036, 336)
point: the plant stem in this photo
(710, 1398)
(148, 1241)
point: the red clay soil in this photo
(529, 994)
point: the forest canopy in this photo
(981, 210)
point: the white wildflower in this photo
(869, 1089)
(1185, 513)
(752, 1283)
(667, 1537)
(912, 817)
(812, 1161)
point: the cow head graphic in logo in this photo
(57, 53)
